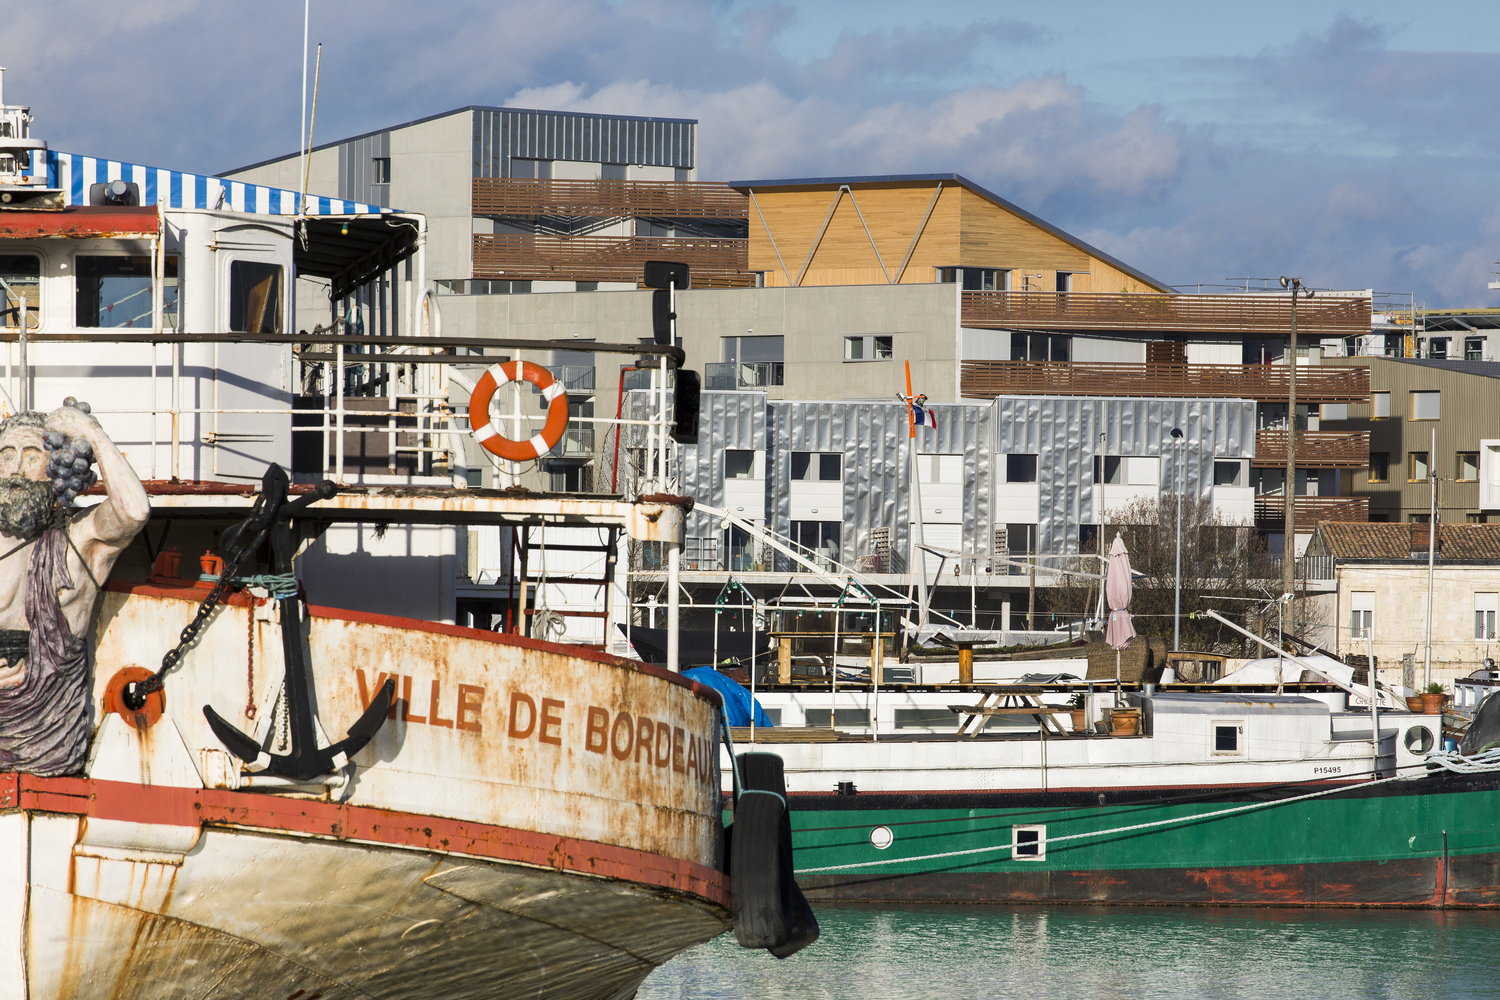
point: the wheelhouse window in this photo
(116, 292)
(23, 273)
(254, 297)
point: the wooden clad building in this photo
(918, 229)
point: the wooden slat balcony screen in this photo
(1315, 449)
(1263, 383)
(1270, 511)
(712, 263)
(1260, 315)
(519, 196)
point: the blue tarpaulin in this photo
(737, 700)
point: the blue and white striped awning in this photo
(73, 174)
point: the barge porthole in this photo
(882, 837)
(1419, 739)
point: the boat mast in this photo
(914, 509)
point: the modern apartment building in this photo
(1411, 400)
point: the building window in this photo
(1380, 405)
(380, 172)
(1380, 466)
(1028, 843)
(1228, 738)
(739, 464)
(1468, 466)
(116, 292)
(1416, 467)
(1064, 281)
(23, 272)
(1485, 606)
(818, 538)
(566, 477)
(1361, 614)
(1020, 468)
(813, 466)
(1041, 347)
(1437, 348)
(1425, 406)
(1473, 348)
(1228, 473)
(976, 279)
(1107, 470)
(854, 718)
(869, 348)
(1334, 411)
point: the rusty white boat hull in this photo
(535, 821)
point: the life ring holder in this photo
(489, 436)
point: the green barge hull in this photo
(1431, 840)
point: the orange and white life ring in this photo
(489, 436)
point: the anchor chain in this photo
(135, 694)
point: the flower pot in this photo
(1414, 703)
(1125, 722)
(1079, 717)
(1432, 704)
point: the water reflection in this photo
(1118, 952)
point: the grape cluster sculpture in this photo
(70, 462)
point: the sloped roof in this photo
(1352, 540)
(1484, 369)
(1011, 207)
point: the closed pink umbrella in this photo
(1117, 590)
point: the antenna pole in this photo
(312, 123)
(302, 135)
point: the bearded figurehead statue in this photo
(54, 559)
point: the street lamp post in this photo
(1179, 480)
(1289, 546)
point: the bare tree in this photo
(1224, 568)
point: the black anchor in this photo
(305, 761)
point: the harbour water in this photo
(1039, 953)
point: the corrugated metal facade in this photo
(1062, 432)
(502, 133)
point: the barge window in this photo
(23, 273)
(1028, 843)
(1228, 737)
(254, 297)
(116, 292)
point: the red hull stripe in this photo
(187, 592)
(216, 807)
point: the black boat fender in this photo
(767, 905)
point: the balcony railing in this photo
(1251, 315)
(608, 199)
(742, 375)
(1315, 449)
(1270, 511)
(713, 263)
(1263, 383)
(578, 380)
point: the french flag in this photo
(924, 418)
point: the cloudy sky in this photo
(1355, 145)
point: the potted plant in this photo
(1125, 722)
(1432, 699)
(1079, 711)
